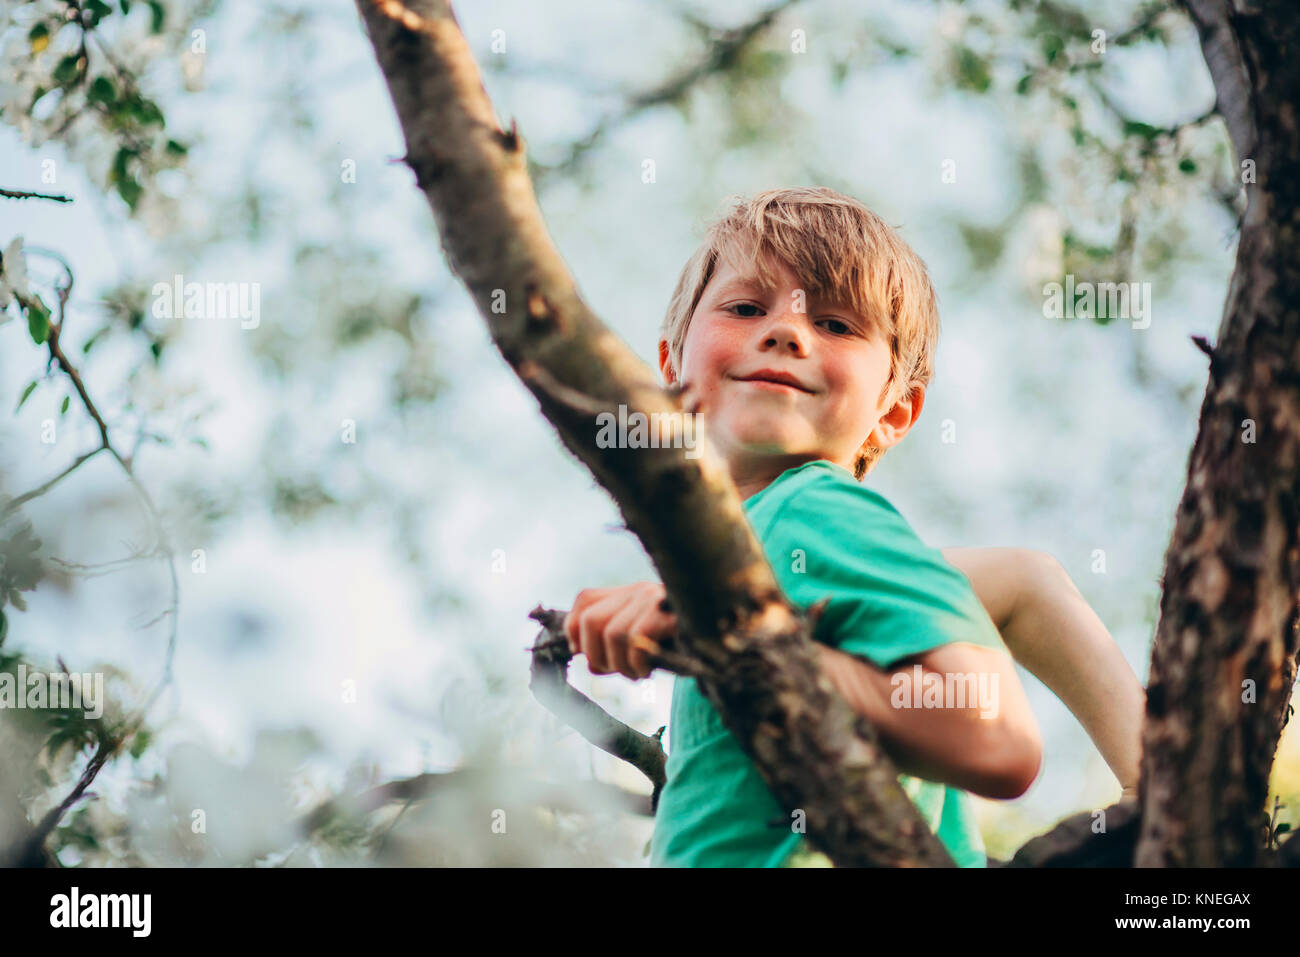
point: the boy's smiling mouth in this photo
(772, 378)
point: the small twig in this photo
(383, 838)
(31, 852)
(722, 52)
(103, 568)
(19, 500)
(555, 795)
(20, 194)
(549, 685)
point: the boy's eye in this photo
(838, 327)
(745, 305)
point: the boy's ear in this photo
(898, 421)
(666, 362)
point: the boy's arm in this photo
(1050, 629)
(990, 746)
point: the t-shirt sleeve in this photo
(891, 595)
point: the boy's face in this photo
(837, 363)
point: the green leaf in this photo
(38, 321)
(159, 15)
(31, 387)
(1025, 82)
(1187, 165)
(130, 191)
(126, 184)
(39, 37)
(139, 743)
(972, 71)
(1144, 130)
(125, 5)
(147, 112)
(96, 10)
(1052, 47)
(63, 408)
(177, 149)
(839, 72)
(120, 161)
(68, 70)
(90, 343)
(102, 91)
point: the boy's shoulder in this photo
(891, 595)
(822, 494)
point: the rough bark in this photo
(752, 648)
(1224, 658)
(1085, 840)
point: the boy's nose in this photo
(784, 333)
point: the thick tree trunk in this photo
(750, 648)
(1225, 651)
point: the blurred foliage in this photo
(20, 569)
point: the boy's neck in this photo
(752, 475)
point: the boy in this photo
(805, 329)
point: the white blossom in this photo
(13, 275)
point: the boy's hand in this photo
(618, 629)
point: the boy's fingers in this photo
(612, 627)
(643, 637)
(573, 620)
(593, 646)
(642, 650)
(602, 654)
(616, 632)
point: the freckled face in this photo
(742, 342)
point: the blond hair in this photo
(841, 251)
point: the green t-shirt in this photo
(892, 596)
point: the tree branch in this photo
(20, 194)
(30, 850)
(1232, 81)
(556, 795)
(547, 681)
(723, 50)
(1078, 842)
